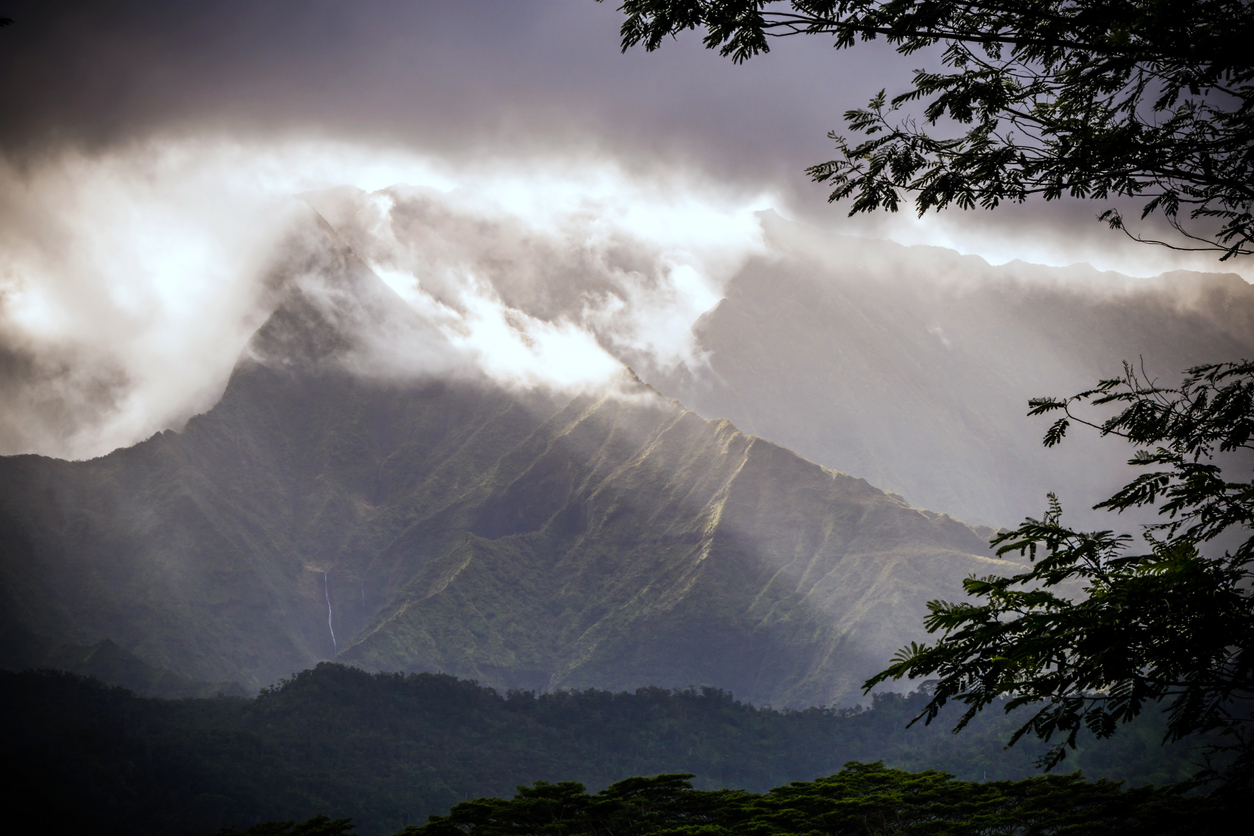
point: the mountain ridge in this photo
(331, 506)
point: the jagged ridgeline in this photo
(344, 501)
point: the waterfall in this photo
(326, 590)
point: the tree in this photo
(863, 798)
(1094, 99)
(1152, 99)
(1169, 623)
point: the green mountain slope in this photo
(623, 544)
(396, 522)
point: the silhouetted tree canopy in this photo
(862, 798)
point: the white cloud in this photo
(130, 281)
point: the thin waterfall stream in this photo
(326, 590)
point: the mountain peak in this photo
(333, 309)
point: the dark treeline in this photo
(860, 799)
(388, 750)
(863, 799)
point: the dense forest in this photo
(860, 799)
(389, 750)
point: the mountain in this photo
(912, 366)
(334, 504)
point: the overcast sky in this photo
(482, 79)
(465, 78)
(142, 146)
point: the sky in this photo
(152, 155)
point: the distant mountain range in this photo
(520, 539)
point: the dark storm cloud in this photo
(457, 78)
(490, 79)
(105, 101)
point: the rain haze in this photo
(552, 208)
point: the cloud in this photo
(122, 280)
(553, 191)
(132, 279)
(491, 81)
(632, 260)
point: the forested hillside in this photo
(387, 750)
